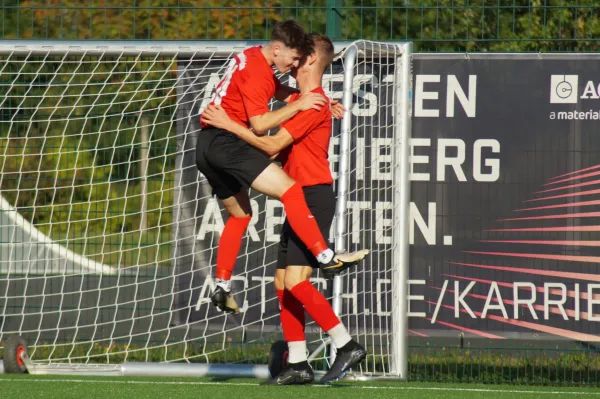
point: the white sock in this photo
(225, 284)
(339, 335)
(325, 256)
(297, 352)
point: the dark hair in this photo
(322, 45)
(291, 34)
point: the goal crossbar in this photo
(154, 48)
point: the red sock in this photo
(302, 221)
(229, 245)
(316, 305)
(291, 313)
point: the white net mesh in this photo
(108, 234)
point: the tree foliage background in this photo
(449, 25)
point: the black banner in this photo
(504, 211)
(504, 195)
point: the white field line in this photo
(247, 384)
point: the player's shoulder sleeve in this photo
(306, 121)
(257, 87)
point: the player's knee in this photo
(273, 181)
(290, 283)
(279, 189)
(287, 182)
(279, 280)
(292, 192)
(293, 279)
(238, 206)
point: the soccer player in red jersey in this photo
(231, 165)
(303, 144)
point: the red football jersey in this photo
(306, 160)
(247, 86)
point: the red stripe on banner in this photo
(547, 242)
(477, 296)
(567, 205)
(571, 294)
(547, 329)
(569, 275)
(469, 330)
(565, 228)
(535, 327)
(418, 333)
(589, 192)
(561, 216)
(573, 178)
(479, 280)
(572, 258)
(587, 183)
(577, 171)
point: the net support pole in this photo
(343, 177)
(401, 167)
(144, 173)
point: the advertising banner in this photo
(504, 203)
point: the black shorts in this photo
(292, 252)
(228, 163)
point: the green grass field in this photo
(63, 387)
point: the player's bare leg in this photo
(240, 213)
(274, 182)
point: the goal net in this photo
(108, 233)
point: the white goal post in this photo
(108, 233)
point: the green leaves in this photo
(440, 25)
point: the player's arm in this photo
(257, 89)
(264, 122)
(216, 116)
(270, 145)
(284, 92)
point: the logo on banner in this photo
(563, 89)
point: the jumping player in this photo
(231, 165)
(303, 144)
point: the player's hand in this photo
(311, 101)
(337, 109)
(216, 116)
